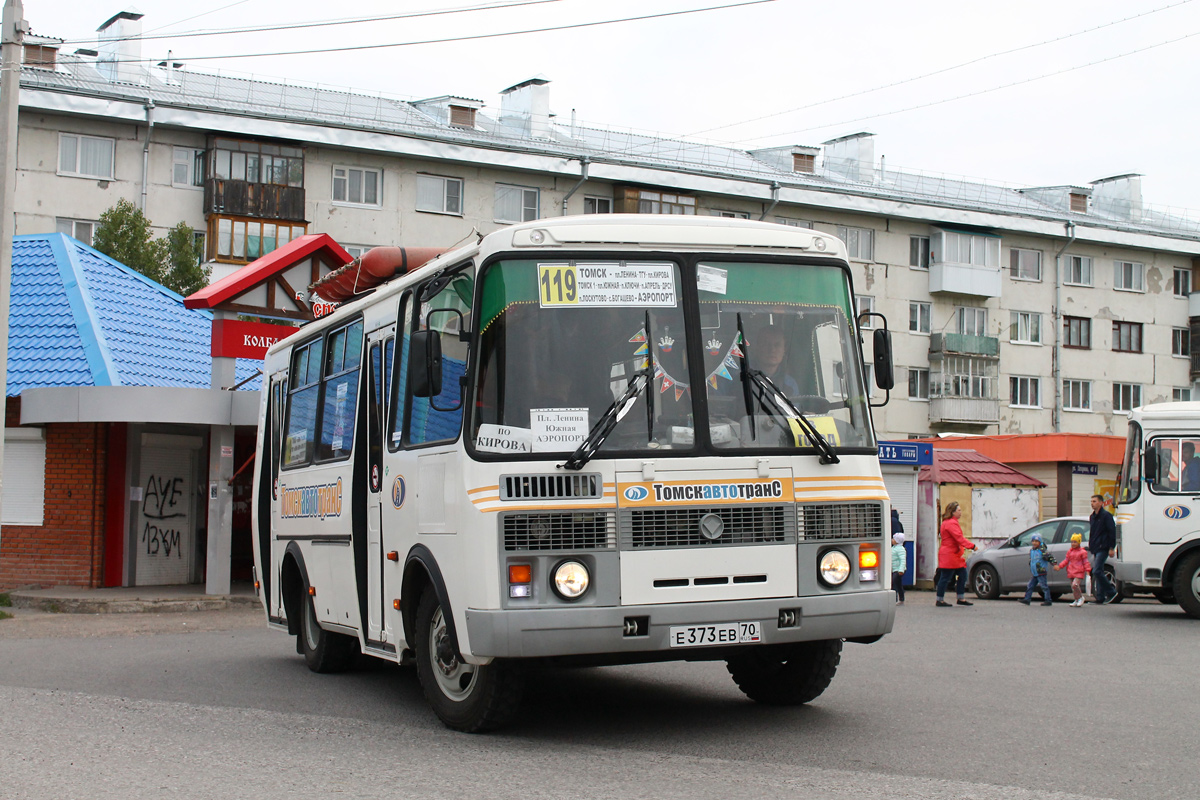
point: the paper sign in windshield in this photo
(712, 279)
(606, 285)
(557, 429)
(503, 439)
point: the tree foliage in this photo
(124, 234)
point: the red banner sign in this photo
(233, 338)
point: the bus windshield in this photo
(561, 341)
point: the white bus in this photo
(1158, 512)
(593, 440)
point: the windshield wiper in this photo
(608, 420)
(755, 382)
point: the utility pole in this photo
(12, 39)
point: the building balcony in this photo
(257, 200)
(963, 344)
(964, 410)
(965, 279)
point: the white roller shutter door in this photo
(24, 476)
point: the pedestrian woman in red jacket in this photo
(950, 556)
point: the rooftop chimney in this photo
(1119, 196)
(852, 157)
(120, 49)
(527, 106)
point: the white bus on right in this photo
(1158, 513)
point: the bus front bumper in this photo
(547, 632)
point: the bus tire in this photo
(786, 676)
(1186, 585)
(324, 651)
(465, 697)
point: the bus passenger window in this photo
(304, 386)
(341, 392)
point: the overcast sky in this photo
(758, 75)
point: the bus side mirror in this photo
(885, 377)
(425, 364)
(1150, 466)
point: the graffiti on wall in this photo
(163, 500)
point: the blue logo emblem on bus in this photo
(635, 493)
(398, 492)
(1176, 512)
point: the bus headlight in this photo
(834, 568)
(571, 580)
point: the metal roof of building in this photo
(79, 318)
(969, 467)
(340, 108)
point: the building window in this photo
(462, 117)
(631, 200)
(41, 56)
(356, 250)
(1183, 282)
(1026, 327)
(1025, 392)
(81, 229)
(804, 162)
(1126, 396)
(920, 317)
(1127, 337)
(968, 248)
(972, 321)
(597, 205)
(1181, 344)
(864, 304)
(1025, 265)
(1077, 332)
(239, 239)
(357, 185)
(85, 156)
(187, 167)
(1129, 276)
(860, 242)
(439, 195)
(1078, 202)
(794, 223)
(918, 384)
(1078, 271)
(918, 252)
(963, 376)
(258, 162)
(1077, 395)
(516, 203)
(715, 212)
(24, 495)
(1181, 395)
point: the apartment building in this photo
(1014, 310)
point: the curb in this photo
(81, 605)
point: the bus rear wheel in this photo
(323, 650)
(1186, 586)
(465, 697)
(788, 675)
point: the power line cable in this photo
(476, 37)
(189, 19)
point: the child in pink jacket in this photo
(1077, 566)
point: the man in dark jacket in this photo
(1102, 544)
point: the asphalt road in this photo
(994, 701)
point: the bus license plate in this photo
(708, 635)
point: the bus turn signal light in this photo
(396, 604)
(520, 573)
(393, 555)
(312, 591)
(868, 559)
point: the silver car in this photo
(1005, 568)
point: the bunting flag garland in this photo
(667, 383)
(639, 337)
(728, 362)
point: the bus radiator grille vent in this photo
(818, 522)
(681, 527)
(566, 530)
(551, 487)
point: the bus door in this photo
(381, 345)
(268, 497)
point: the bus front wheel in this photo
(1187, 584)
(465, 697)
(786, 676)
(323, 650)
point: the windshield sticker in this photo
(712, 279)
(651, 493)
(503, 439)
(606, 285)
(557, 429)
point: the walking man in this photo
(1102, 544)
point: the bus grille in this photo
(840, 521)
(559, 530)
(550, 487)
(680, 527)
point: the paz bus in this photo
(594, 440)
(1158, 511)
